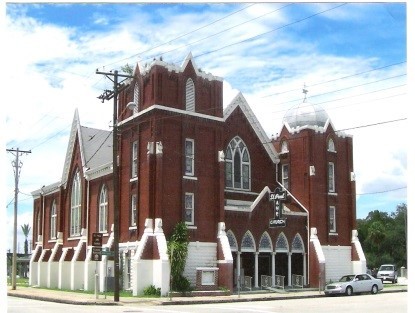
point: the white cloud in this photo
(53, 73)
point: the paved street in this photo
(380, 303)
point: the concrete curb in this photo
(79, 298)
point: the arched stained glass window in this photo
(238, 165)
(282, 243)
(248, 243)
(103, 209)
(75, 220)
(232, 240)
(297, 244)
(265, 244)
(53, 219)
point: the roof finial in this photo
(305, 93)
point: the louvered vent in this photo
(190, 95)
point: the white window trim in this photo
(190, 95)
(134, 159)
(285, 180)
(237, 140)
(331, 147)
(192, 222)
(103, 210)
(75, 221)
(334, 229)
(191, 157)
(331, 170)
(284, 147)
(133, 221)
(53, 220)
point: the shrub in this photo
(152, 291)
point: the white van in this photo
(388, 272)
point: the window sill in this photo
(74, 238)
(132, 228)
(189, 177)
(334, 194)
(191, 226)
(134, 179)
(333, 234)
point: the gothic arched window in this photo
(238, 165)
(75, 220)
(103, 209)
(53, 218)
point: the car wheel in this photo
(349, 291)
(374, 289)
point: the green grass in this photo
(22, 282)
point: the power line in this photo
(180, 36)
(268, 32)
(336, 79)
(379, 192)
(221, 32)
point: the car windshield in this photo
(346, 278)
(386, 268)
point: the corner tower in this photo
(316, 167)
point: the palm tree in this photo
(26, 230)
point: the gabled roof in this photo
(95, 146)
(240, 101)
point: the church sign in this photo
(278, 196)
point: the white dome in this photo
(306, 114)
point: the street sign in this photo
(107, 252)
(278, 222)
(97, 239)
(96, 254)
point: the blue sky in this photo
(352, 57)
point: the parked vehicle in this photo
(388, 272)
(350, 284)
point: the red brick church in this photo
(260, 212)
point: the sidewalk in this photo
(90, 299)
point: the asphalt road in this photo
(380, 303)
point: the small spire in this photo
(305, 92)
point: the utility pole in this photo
(17, 165)
(107, 95)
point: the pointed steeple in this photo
(188, 59)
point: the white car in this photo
(350, 284)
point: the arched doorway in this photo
(298, 260)
(265, 255)
(281, 257)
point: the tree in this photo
(177, 251)
(384, 237)
(25, 230)
(128, 69)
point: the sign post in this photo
(278, 196)
(96, 256)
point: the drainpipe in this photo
(87, 217)
(43, 215)
(308, 229)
